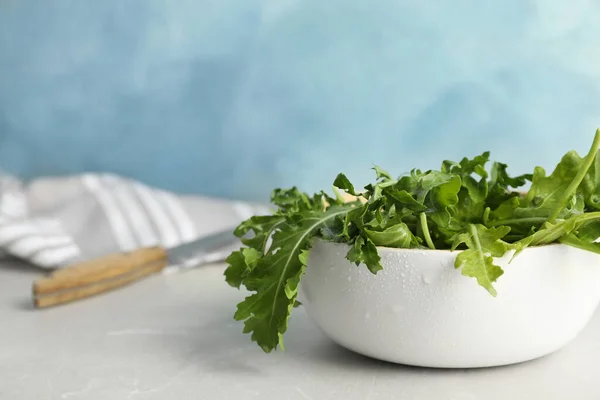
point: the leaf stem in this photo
(425, 229)
(587, 163)
(587, 216)
(514, 221)
(486, 216)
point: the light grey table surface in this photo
(173, 337)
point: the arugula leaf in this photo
(477, 260)
(291, 201)
(585, 227)
(466, 211)
(573, 187)
(342, 182)
(261, 227)
(242, 262)
(467, 167)
(589, 224)
(547, 192)
(589, 230)
(575, 241)
(381, 173)
(275, 278)
(442, 202)
(403, 199)
(591, 185)
(446, 193)
(550, 197)
(336, 230)
(365, 251)
(501, 183)
(398, 236)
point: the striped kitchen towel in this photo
(53, 222)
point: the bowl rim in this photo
(438, 251)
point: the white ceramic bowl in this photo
(421, 311)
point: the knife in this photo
(100, 275)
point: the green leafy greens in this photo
(463, 207)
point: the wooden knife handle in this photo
(97, 276)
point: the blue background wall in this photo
(235, 97)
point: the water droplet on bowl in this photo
(349, 278)
(426, 279)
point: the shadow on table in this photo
(24, 304)
(221, 347)
(13, 266)
(335, 355)
(10, 263)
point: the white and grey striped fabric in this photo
(53, 222)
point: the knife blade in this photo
(207, 249)
(100, 275)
